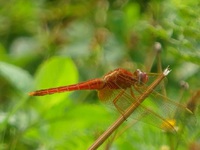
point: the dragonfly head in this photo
(142, 76)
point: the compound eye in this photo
(142, 76)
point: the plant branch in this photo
(128, 111)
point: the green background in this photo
(51, 43)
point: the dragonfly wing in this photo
(164, 105)
(146, 113)
(121, 99)
(164, 112)
(156, 109)
(173, 109)
(107, 96)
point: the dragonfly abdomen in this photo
(94, 84)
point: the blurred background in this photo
(51, 43)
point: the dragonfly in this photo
(121, 88)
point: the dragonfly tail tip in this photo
(31, 93)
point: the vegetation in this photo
(53, 43)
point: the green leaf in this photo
(17, 77)
(57, 71)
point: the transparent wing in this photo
(157, 109)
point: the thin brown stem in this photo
(128, 111)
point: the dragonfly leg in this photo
(115, 103)
(133, 96)
(132, 93)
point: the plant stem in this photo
(128, 111)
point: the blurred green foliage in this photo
(52, 43)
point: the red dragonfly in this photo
(120, 88)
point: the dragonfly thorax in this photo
(120, 78)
